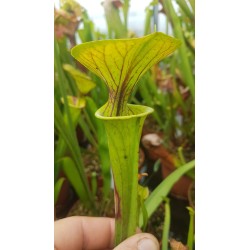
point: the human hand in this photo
(96, 233)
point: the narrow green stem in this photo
(190, 240)
(125, 12)
(61, 147)
(166, 225)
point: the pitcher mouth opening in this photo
(136, 111)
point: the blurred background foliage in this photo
(82, 166)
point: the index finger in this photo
(84, 233)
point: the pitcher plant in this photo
(121, 63)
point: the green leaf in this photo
(87, 132)
(83, 81)
(186, 68)
(122, 62)
(75, 104)
(143, 193)
(57, 189)
(166, 225)
(102, 145)
(114, 22)
(190, 240)
(184, 6)
(68, 132)
(74, 149)
(145, 216)
(162, 190)
(157, 165)
(147, 25)
(125, 9)
(87, 33)
(73, 176)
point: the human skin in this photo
(96, 233)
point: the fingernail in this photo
(147, 244)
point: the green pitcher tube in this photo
(75, 106)
(124, 134)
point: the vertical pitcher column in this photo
(123, 134)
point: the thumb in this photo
(141, 241)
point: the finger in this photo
(84, 233)
(141, 241)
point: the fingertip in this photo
(140, 241)
(148, 243)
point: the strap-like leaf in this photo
(57, 189)
(162, 190)
(83, 81)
